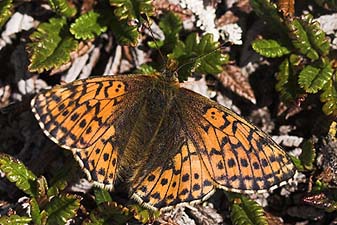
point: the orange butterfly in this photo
(170, 144)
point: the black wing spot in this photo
(163, 181)
(151, 177)
(244, 162)
(185, 177)
(231, 163)
(106, 157)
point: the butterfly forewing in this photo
(88, 117)
(238, 156)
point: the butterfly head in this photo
(170, 73)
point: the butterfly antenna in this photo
(201, 56)
(154, 40)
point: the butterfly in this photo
(169, 144)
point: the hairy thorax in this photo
(156, 133)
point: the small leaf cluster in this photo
(306, 160)
(194, 54)
(53, 41)
(245, 211)
(110, 212)
(47, 204)
(306, 67)
(52, 205)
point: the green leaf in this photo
(132, 9)
(35, 211)
(146, 69)
(144, 215)
(171, 25)
(269, 48)
(246, 211)
(63, 8)
(51, 45)
(297, 162)
(62, 208)
(308, 155)
(58, 186)
(87, 26)
(41, 187)
(300, 39)
(315, 34)
(198, 56)
(15, 220)
(17, 173)
(313, 79)
(269, 12)
(124, 33)
(101, 195)
(109, 213)
(6, 7)
(329, 98)
(282, 79)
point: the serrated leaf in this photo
(41, 187)
(232, 78)
(15, 220)
(144, 215)
(300, 39)
(17, 173)
(58, 186)
(315, 34)
(287, 81)
(124, 33)
(269, 12)
(198, 56)
(269, 48)
(246, 211)
(6, 7)
(132, 9)
(63, 8)
(329, 98)
(51, 46)
(109, 213)
(171, 25)
(313, 79)
(87, 26)
(35, 211)
(322, 202)
(62, 208)
(308, 155)
(101, 195)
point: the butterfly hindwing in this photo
(183, 179)
(87, 117)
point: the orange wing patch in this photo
(238, 156)
(85, 116)
(100, 160)
(183, 179)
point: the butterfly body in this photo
(168, 143)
